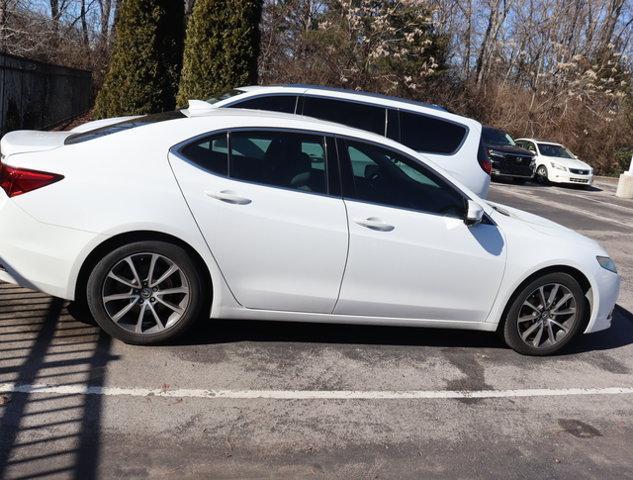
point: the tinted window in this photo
(429, 134)
(280, 103)
(365, 117)
(280, 159)
(224, 96)
(551, 150)
(528, 145)
(122, 126)
(388, 178)
(210, 153)
(493, 136)
(393, 124)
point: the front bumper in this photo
(506, 168)
(36, 255)
(604, 295)
(558, 176)
(498, 173)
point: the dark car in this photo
(507, 158)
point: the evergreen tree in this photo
(221, 48)
(146, 60)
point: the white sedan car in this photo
(556, 164)
(158, 221)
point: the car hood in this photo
(509, 149)
(568, 162)
(540, 224)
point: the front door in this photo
(411, 255)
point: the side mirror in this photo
(474, 214)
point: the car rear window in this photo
(432, 135)
(122, 126)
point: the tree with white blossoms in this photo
(388, 43)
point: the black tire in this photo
(510, 329)
(542, 175)
(193, 302)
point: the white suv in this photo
(451, 141)
(556, 164)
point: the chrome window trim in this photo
(176, 150)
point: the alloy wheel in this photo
(547, 315)
(146, 293)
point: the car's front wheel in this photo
(145, 292)
(545, 315)
(542, 175)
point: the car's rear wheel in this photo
(545, 315)
(542, 175)
(145, 292)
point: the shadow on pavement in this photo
(227, 331)
(534, 183)
(620, 334)
(48, 435)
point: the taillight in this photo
(482, 158)
(16, 181)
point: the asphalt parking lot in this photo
(150, 414)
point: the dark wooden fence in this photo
(37, 95)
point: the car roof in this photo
(356, 95)
(381, 96)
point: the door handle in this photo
(229, 197)
(374, 223)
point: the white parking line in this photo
(531, 195)
(307, 394)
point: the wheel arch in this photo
(578, 275)
(135, 236)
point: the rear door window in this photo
(357, 115)
(279, 159)
(432, 135)
(271, 103)
(209, 153)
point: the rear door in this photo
(268, 210)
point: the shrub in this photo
(221, 48)
(146, 60)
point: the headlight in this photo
(606, 262)
(558, 166)
(495, 154)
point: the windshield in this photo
(492, 136)
(550, 150)
(224, 96)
